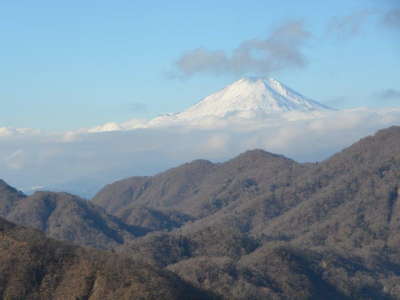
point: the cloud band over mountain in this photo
(34, 160)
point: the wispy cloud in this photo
(388, 94)
(15, 160)
(391, 18)
(354, 24)
(282, 49)
(349, 26)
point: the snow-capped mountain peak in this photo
(251, 96)
(248, 100)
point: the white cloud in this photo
(110, 126)
(52, 159)
(4, 131)
(8, 132)
(216, 143)
(70, 136)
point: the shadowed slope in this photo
(66, 217)
(33, 267)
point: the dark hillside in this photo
(67, 217)
(33, 267)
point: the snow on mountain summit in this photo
(251, 96)
(248, 100)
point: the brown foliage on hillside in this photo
(259, 226)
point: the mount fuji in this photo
(254, 96)
(250, 100)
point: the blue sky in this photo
(72, 64)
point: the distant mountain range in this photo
(259, 226)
